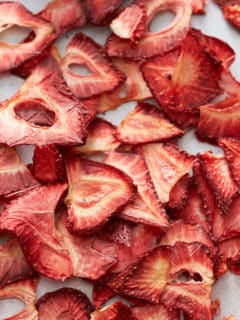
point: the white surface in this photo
(228, 287)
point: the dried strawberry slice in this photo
(145, 124)
(89, 109)
(218, 175)
(96, 191)
(100, 138)
(134, 166)
(151, 312)
(118, 231)
(48, 164)
(166, 164)
(103, 77)
(134, 88)
(231, 252)
(101, 294)
(116, 311)
(43, 111)
(198, 6)
(64, 303)
(23, 290)
(231, 11)
(179, 193)
(152, 44)
(229, 84)
(15, 178)
(32, 221)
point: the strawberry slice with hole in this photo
(96, 192)
(198, 6)
(231, 252)
(231, 11)
(23, 290)
(133, 89)
(101, 294)
(116, 311)
(146, 123)
(32, 221)
(48, 164)
(64, 303)
(15, 178)
(146, 208)
(43, 111)
(154, 43)
(100, 74)
(179, 193)
(152, 312)
(167, 165)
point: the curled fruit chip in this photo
(198, 6)
(116, 311)
(64, 303)
(152, 312)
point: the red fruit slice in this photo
(64, 303)
(231, 252)
(23, 290)
(101, 294)
(31, 219)
(152, 312)
(183, 119)
(154, 43)
(100, 138)
(134, 88)
(198, 6)
(130, 22)
(96, 191)
(116, 311)
(13, 264)
(15, 178)
(48, 164)
(184, 79)
(146, 207)
(103, 77)
(229, 84)
(219, 177)
(118, 231)
(89, 109)
(179, 193)
(14, 13)
(167, 165)
(146, 124)
(231, 11)
(43, 111)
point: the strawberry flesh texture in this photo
(198, 6)
(230, 250)
(179, 193)
(118, 231)
(89, 109)
(231, 11)
(64, 303)
(154, 312)
(116, 311)
(101, 294)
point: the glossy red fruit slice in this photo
(179, 194)
(31, 219)
(231, 11)
(101, 294)
(146, 208)
(152, 312)
(167, 165)
(23, 290)
(15, 178)
(103, 77)
(145, 124)
(231, 252)
(64, 303)
(43, 111)
(154, 43)
(96, 191)
(198, 6)
(134, 88)
(116, 311)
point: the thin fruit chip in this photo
(101, 294)
(231, 12)
(154, 312)
(115, 311)
(198, 6)
(231, 252)
(179, 193)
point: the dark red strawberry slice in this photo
(15, 178)
(48, 164)
(134, 88)
(231, 11)
(101, 294)
(146, 207)
(23, 290)
(219, 177)
(89, 109)
(64, 303)
(183, 119)
(116, 311)
(154, 43)
(43, 111)
(152, 312)
(231, 252)
(82, 51)
(179, 193)
(198, 6)
(31, 219)
(167, 165)
(145, 124)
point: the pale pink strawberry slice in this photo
(146, 208)
(116, 311)
(179, 193)
(96, 192)
(231, 11)
(146, 123)
(103, 77)
(154, 43)
(101, 294)
(14, 13)
(229, 84)
(198, 6)
(43, 111)
(23, 290)
(167, 164)
(64, 303)
(231, 252)
(15, 178)
(154, 312)
(31, 219)
(134, 88)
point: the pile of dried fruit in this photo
(151, 224)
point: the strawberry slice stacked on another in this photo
(151, 312)
(116, 311)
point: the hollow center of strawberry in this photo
(13, 34)
(162, 20)
(80, 69)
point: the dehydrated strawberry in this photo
(43, 111)
(103, 77)
(118, 231)
(179, 193)
(146, 124)
(198, 6)
(15, 178)
(231, 11)
(48, 164)
(146, 208)
(64, 303)
(116, 311)
(101, 294)
(166, 164)
(89, 109)
(134, 88)
(31, 219)
(183, 119)
(154, 43)
(229, 84)
(231, 252)
(151, 312)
